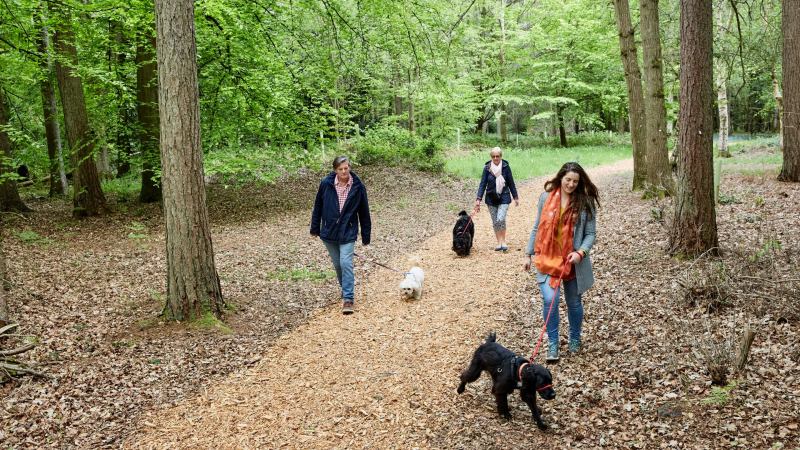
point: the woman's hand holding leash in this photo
(526, 263)
(574, 258)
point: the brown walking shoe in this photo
(347, 307)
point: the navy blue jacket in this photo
(488, 185)
(329, 224)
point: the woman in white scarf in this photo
(497, 175)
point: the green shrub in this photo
(392, 146)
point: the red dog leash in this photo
(549, 310)
(467, 225)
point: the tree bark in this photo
(562, 132)
(123, 138)
(776, 92)
(722, 110)
(147, 111)
(87, 196)
(724, 18)
(193, 287)
(694, 228)
(659, 173)
(9, 195)
(791, 91)
(633, 81)
(58, 177)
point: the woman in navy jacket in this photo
(340, 206)
(498, 185)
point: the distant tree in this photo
(723, 23)
(791, 91)
(9, 195)
(52, 131)
(147, 111)
(633, 79)
(659, 172)
(88, 198)
(694, 228)
(193, 287)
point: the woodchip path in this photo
(384, 377)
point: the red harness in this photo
(519, 376)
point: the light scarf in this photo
(550, 251)
(499, 181)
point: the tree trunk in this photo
(776, 92)
(147, 110)
(502, 116)
(52, 132)
(123, 138)
(724, 124)
(9, 195)
(193, 287)
(562, 132)
(694, 228)
(724, 19)
(791, 91)
(502, 124)
(412, 121)
(659, 173)
(633, 80)
(87, 196)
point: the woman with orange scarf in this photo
(562, 236)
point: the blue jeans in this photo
(342, 259)
(574, 309)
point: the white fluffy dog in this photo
(411, 286)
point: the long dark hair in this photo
(585, 197)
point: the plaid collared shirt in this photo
(342, 190)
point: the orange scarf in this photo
(551, 252)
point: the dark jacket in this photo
(329, 224)
(488, 185)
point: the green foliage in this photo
(533, 162)
(769, 248)
(393, 146)
(720, 395)
(258, 164)
(33, 238)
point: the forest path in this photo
(384, 377)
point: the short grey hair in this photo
(496, 149)
(339, 160)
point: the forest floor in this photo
(292, 371)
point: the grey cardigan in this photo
(583, 239)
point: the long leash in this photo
(549, 310)
(376, 263)
(467, 225)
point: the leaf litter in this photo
(296, 373)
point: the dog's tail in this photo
(492, 337)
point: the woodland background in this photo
(129, 131)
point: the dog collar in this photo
(519, 371)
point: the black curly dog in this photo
(462, 234)
(506, 369)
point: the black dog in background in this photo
(462, 234)
(506, 369)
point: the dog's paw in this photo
(460, 389)
(506, 415)
(542, 426)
